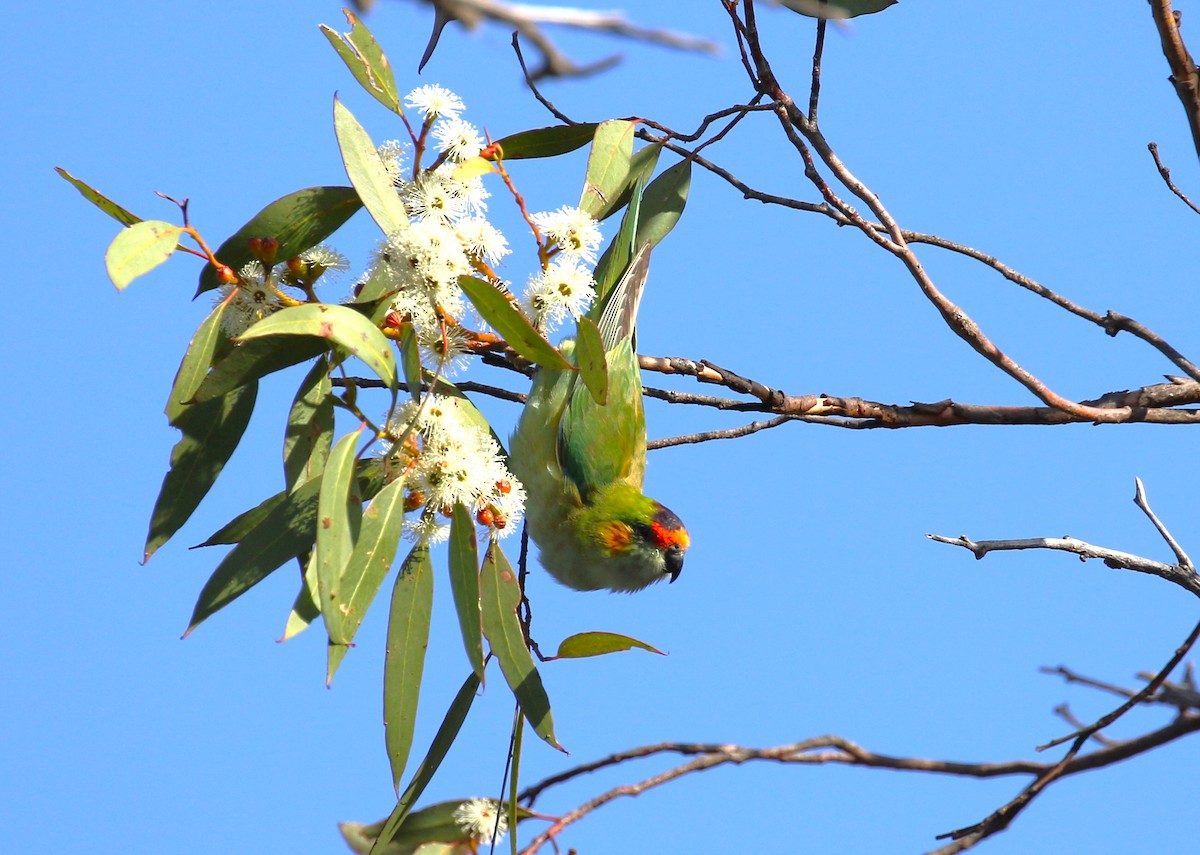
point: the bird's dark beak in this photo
(674, 560)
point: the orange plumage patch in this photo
(615, 536)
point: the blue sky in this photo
(811, 602)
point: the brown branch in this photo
(1002, 817)
(531, 20)
(726, 433)
(826, 750)
(1182, 573)
(1166, 177)
(1184, 74)
(1185, 578)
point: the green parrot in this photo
(582, 464)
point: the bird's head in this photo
(642, 541)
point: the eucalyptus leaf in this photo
(837, 9)
(299, 221)
(404, 664)
(366, 61)
(139, 248)
(336, 531)
(374, 551)
(367, 173)
(211, 433)
(334, 324)
(585, 644)
(309, 434)
(546, 142)
(287, 531)
(608, 167)
(498, 310)
(98, 199)
(589, 354)
(451, 724)
(500, 594)
(464, 582)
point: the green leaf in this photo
(138, 249)
(500, 594)
(101, 201)
(608, 167)
(284, 533)
(448, 731)
(464, 581)
(244, 523)
(641, 167)
(305, 609)
(585, 644)
(309, 432)
(404, 665)
(663, 202)
(211, 432)
(336, 530)
(546, 142)
(367, 173)
(837, 9)
(196, 362)
(507, 319)
(299, 221)
(589, 353)
(410, 360)
(334, 324)
(365, 59)
(374, 551)
(256, 358)
(615, 259)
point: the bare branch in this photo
(1184, 577)
(531, 20)
(1166, 177)
(1184, 74)
(727, 433)
(825, 750)
(1181, 557)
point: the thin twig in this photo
(1139, 499)
(726, 433)
(1166, 176)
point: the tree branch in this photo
(1184, 75)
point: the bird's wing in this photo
(598, 445)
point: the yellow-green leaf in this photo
(442, 740)
(404, 664)
(101, 201)
(497, 310)
(309, 433)
(608, 167)
(500, 594)
(464, 582)
(305, 609)
(366, 171)
(335, 324)
(589, 354)
(140, 248)
(585, 644)
(366, 61)
(374, 551)
(472, 168)
(336, 531)
(196, 362)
